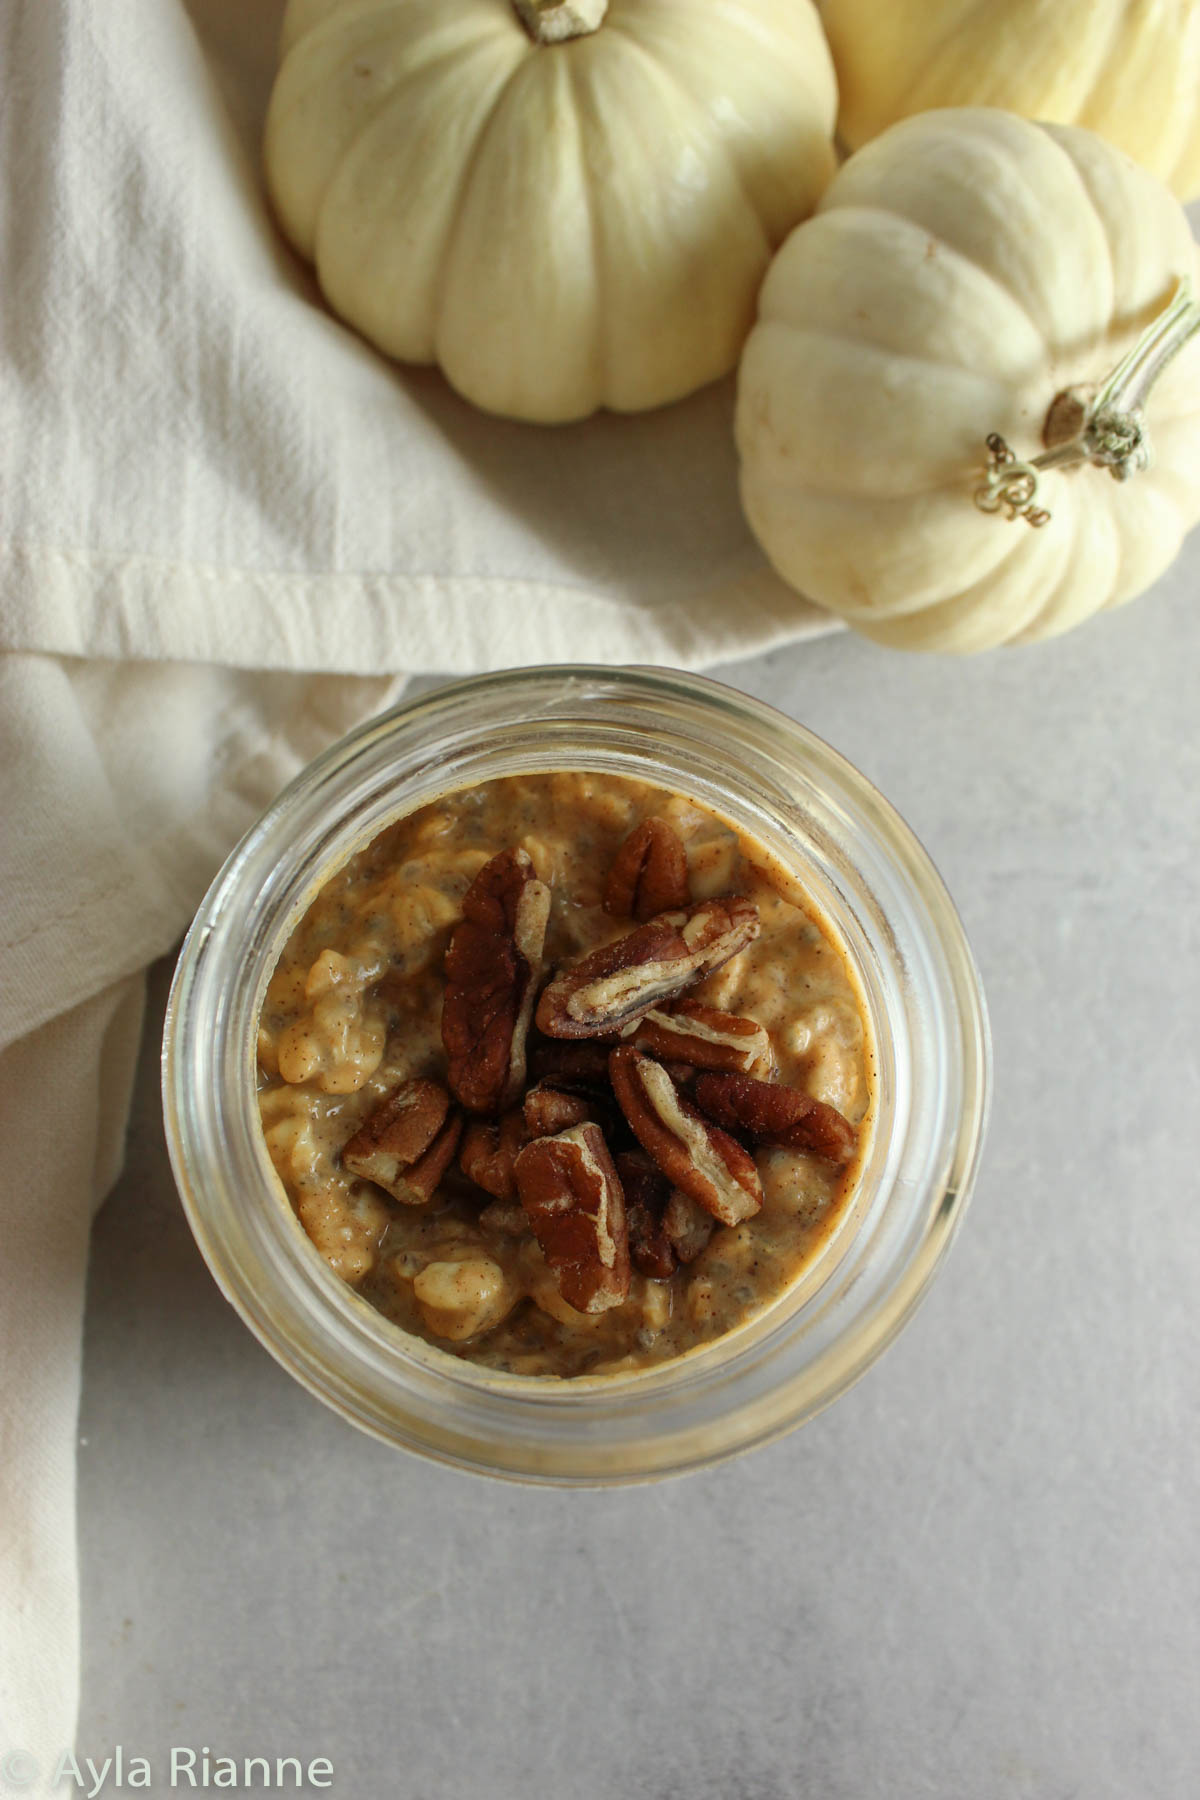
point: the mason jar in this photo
(884, 906)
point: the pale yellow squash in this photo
(1127, 69)
(963, 272)
(562, 224)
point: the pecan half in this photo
(492, 968)
(770, 1113)
(405, 1145)
(687, 1226)
(706, 1163)
(573, 1196)
(646, 1192)
(706, 1038)
(489, 1149)
(649, 874)
(619, 983)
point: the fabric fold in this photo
(126, 786)
(66, 1094)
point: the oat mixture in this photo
(564, 1075)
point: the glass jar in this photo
(881, 897)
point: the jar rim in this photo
(741, 1390)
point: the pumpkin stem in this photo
(556, 21)
(1106, 428)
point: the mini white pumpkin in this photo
(970, 276)
(566, 205)
(1127, 69)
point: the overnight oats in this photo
(576, 1075)
(565, 1075)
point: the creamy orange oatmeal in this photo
(564, 1075)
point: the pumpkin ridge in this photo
(982, 623)
(822, 491)
(855, 345)
(1165, 413)
(830, 202)
(697, 112)
(895, 284)
(599, 273)
(827, 523)
(743, 20)
(1085, 190)
(469, 169)
(1002, 153)
(1169, 534)
(284, 97)
(828, 478)
(841, 32)
(1127, 69)
(698, 309)
(929, 92)
(907, 103)
(1051, 622)
(1054, 617)
(1184, 176)
(1121, 321)
(398, 99)
(740, 21)
(1107, 80)
(917, 604)
(1165, 475)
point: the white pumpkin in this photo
(1127, 69)
(969, 274)
(561, 225)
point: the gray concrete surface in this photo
(976, 1576)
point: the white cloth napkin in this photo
(226, 526)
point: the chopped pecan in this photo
(397, 1131)
(572, 1099)
(687, 1226)
(710, 1166)
(405, 1145)
(573, 1196)
(550, 1109)
(492, 968)
(418, 1185)
(489, 1149)
(706, 1038)
(770, 1113)
(646, 1190)
(649, 874)
(618, 984)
